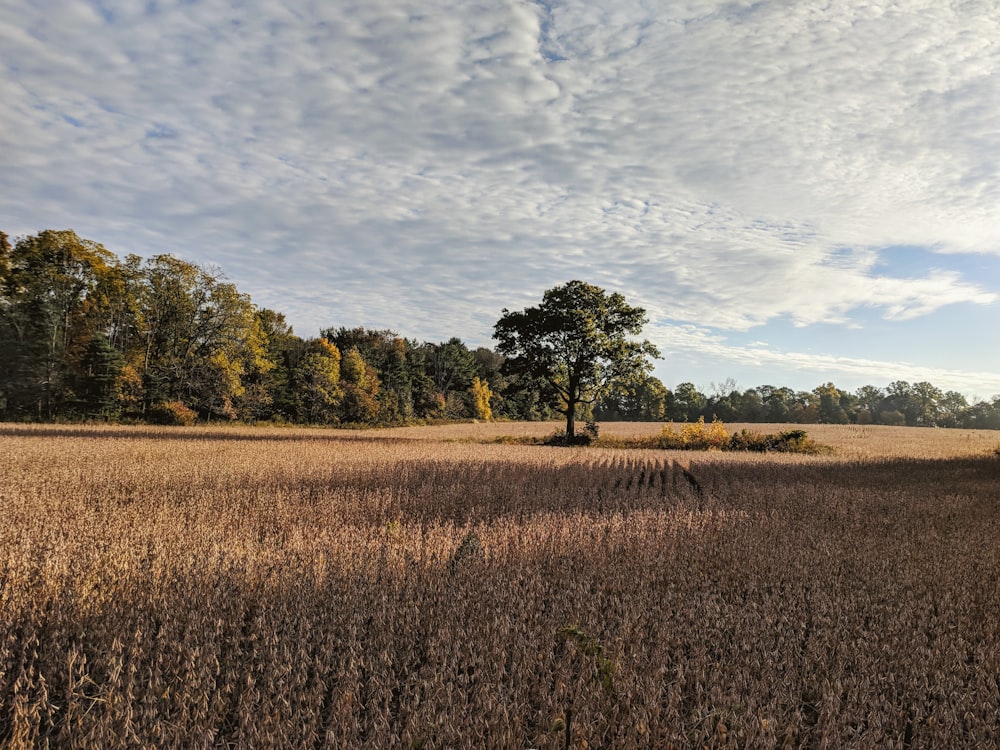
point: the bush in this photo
(791, 441)
(560, 439)
(693, 436)
(172, 413)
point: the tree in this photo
(579, 341)
(953, 406)
(49, 288)
(97, 384)
(831, 404)
(269, 391)
(917, 402)
(927, 400)
(688, 404)
(361, 386)
(752, 408)
(451, 365)
(5, 253)
(868, 399)
(725, 402)
(645, 400)
(480, 391)
(317, 380)
(202, 337)
(399, 367)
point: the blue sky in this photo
(796, 192)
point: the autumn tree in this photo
(480, 392)
(202, 337)
(5, 253)
(317, 380)
(403, 390)
(361, 386)
(49, 312)
(271, 392)
(579, 340)
(868, 399)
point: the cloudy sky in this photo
(797, 191)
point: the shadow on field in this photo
(450, 490)
(874, 473)
(194, 434)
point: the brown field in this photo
(413, 588)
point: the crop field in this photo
(425, 588)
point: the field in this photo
(421, 588)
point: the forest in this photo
(88, 336)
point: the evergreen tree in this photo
(101, 367)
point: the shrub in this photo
(694, 436)
(172, 413)
(560, 439)
(791, 441)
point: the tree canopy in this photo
(87, 335)
(579, 340)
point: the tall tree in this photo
(202, 337)
(49, 311)
(394, 362)
(689, 403)
(953, 406)
(6, 252)
(98, 381)
(832, 402)
(481, 394)
(451, 365)
(645, 400)
(361, 386)
(317, 379)
(579, 339)
(270, 393)
(868, 399)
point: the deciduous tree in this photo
(481, 394)
(48, 314)
(580, 340)
(361, 386)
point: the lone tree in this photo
(578, 341)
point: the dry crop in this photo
(296, 588)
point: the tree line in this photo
(86, 335)
(901, 404)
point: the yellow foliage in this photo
(481, 395)
(128, 389)
(698, 435)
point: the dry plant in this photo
(187, 587)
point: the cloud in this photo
(422, 165)
(688, 341)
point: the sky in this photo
(797, 191)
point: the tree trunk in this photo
(571, 420)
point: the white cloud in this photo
(689, 341)
(423, 164)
